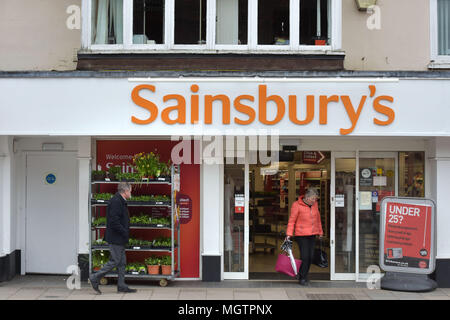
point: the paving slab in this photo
(27, 294)
(165, 294)
(141, 294)
(246, 294)
(295, 294)
(192, 294)
(55, 294)
(273, 294)
(219, 294)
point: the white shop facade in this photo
(326, 132)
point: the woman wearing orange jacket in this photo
(305, 223)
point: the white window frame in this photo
(335, 31)
(437, 61)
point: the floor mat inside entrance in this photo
(280, 276)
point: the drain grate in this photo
(330, 296)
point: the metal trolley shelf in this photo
(174, 250)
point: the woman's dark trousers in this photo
(306, 245)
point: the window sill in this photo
(439, 64)
(191, 60)
(306, 50)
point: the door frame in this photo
(242, 275)
(357, 276)
(339, 155)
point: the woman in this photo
(305, 222)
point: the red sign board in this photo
(313, 157)
(184, 204)
(408, 235)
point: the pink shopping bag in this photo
(284, 265)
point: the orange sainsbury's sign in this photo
(254, 108)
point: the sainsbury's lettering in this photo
(243, 105)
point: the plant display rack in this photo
(173, 249)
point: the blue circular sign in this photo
(50, 178)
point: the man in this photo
(117, 236)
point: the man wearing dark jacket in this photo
(117, 236)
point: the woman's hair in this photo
(310, 192)
(123, 186)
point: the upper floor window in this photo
(250, 25)
(443, 27)
(440, 34)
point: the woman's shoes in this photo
(303, 282)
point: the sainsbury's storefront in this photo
(356, 140)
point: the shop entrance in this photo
(272, 193)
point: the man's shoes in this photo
(94, 285)
(126, 290)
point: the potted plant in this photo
(113, 172)
(147, 165)
(98, 175)
(152, 265)
(166, 265)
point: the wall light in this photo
(363, 5)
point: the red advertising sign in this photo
(184, 204)
(313, 157)
(407, 241)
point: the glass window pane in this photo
(344, 215)
(234, 208)
(376, 181)
(107, 22)
(148, 21)
(444, 27)
(232, 18)
(411, 174)
(190, 21)
(273, 22)
(314, 22)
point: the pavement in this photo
(45, 287)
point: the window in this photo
(231, 22)
(148, 21)
(314, 22)
(411, 174)
(443, 27)
(273, 22)
(440, 34)
(212, 25)
(107, 21)
(190, 21)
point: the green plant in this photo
(99, 221)
(128, 176)
(100, 242)
(166, 260)
(100, 258)
(141, 219)
(162, 242)
(139, 243)
(102, 196)
(114, 171)
(161, 221)
(98, 175)
(147, 164)
(153, 261)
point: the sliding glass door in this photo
(359, 182)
